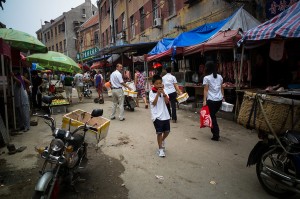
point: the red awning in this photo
(98, 64)
(85, 67)
(222, 40)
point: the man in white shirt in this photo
(78, 79)
(117, 82)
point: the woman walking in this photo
(213, 95)
(170, 86)
(139, 81)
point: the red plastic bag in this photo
(205, 119)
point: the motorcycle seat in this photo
(294, 137)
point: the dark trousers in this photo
(214, 107)
(172, 98)
(36, 99)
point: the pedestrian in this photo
(213, 95)
(78, 79)
(98, 79)
(22, 101)
(36, 81)
(68, 82)
(171, 88)
(139, 81)
(62, 78)
(159, 113)
(117, 82)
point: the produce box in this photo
(58, 109)
(182, 98)
(56, 102)
(79, 117)
(282, 113)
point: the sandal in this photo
(20, 149)
(146, 106)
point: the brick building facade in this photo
(60, 34)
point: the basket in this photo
(279, 111)
(227, 107)
(79, 117)
(126, 92)
(182, 98)
(132, 94)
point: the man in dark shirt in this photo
(36, 90)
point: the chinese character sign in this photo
(274, 7)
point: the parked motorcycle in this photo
(63, 157)
(277, 162)
(87, 91)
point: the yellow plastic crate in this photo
(79, 117)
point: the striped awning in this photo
(285, 24)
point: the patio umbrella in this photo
(36, 66)
(21, 40)
(54, 61)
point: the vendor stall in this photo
(277, 63)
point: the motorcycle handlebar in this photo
(47, 117)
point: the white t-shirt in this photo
(214, 87)
(160, 110)
(78, 79)
(116, 79)
(169, 80)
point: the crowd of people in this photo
(162, 96)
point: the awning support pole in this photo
(6, 139)
(241, 68)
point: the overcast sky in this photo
(26, 15)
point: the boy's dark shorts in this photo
(162, 126)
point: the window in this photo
(65, 44)
(96, 39)
(102, 45)
(55, 31)
(60, 47)
(132, 27)
(56, 47)
(48, 35)
(45, 36)
(155, 9)
(142, 17)
(107, 41)
(171, 7)
(59, 29)
(51, 33)
(83, 11)
(123, 21)
(53, 48)
(105, 9)
(116, 26)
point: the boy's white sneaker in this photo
(161, 153)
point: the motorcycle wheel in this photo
(44, 194)
(269, 185)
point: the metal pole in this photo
(112, 21)
(5, 98)
(241, 68)
(13, 95)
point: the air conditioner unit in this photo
(83, 15)
(157, 22)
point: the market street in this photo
(127, 166)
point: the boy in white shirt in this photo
(159, 113)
